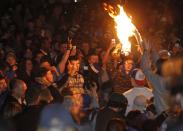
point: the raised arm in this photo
(146, 63)
(107, 53)
(63, 62)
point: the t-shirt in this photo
(133, 93)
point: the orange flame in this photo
(124, 28)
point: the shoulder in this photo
(128, 93)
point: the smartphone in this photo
(74, 47)
(113, 41)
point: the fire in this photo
(124, 28)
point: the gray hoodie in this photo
(158, 83)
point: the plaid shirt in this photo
(74, 83)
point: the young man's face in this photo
(94, 59)
(21, 89)
(49, 77)
(29, 65)
(128, 65)
(73, 66)
(38, 57)
(11, 60)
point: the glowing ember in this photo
(124, 28)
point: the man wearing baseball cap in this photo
(138, 81)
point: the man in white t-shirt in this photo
(138, 81)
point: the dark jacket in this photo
(103, 118)
(3, 98)
(28, 120)
(11, 107)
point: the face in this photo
(94, 59)
(73, 66)
(128, 65)
(85, 47)
(38, 57)
(11, 60)
(20, 90)
(63, 48)
(49, 77)
(28, 54)
(29, 65)
(45, 65)
(3, 85)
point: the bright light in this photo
(125, 29)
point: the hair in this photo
(11, 54)
(118, 101)
(106, 89)
(23, 64)
(176, 85)
(41, 72)
(73, 58)
(116, 125)
(135, 119)
(32, 95)
(14, 83)
(159, 64)
(45, 59)
(45, 96)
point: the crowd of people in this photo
(59, 72)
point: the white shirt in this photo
(133, 93)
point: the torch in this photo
(124, 27)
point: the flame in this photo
(124, 28)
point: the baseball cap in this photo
(56, 117)
(138, 76)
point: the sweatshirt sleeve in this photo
(146, 67)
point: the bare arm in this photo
(106, 55)
(63, 62)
